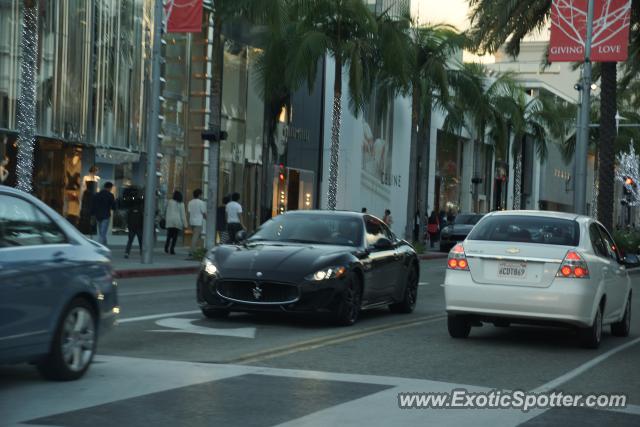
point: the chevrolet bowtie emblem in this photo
(513, 250)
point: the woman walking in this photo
(433, 227)
(176, 220)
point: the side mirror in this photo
(631, 260)
(383, 243)
(241, 236)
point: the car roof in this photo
(327, 212)
(548, 214)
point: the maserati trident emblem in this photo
(513, 250)
(257, 292)
(259, 274)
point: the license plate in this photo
(512, 270)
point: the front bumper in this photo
(564, 301)
(320, 297)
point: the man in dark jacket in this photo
(102, 205)
(135, 215)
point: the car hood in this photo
(275, 261)
(458, 228)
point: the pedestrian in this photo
(234, 217)
(101, 206)
(4, 169)
(175, 220)
(387, 219)
(450, 216)
(135, 215)
(197, 214)
(221, 220)
(416, 226)
(433, 227)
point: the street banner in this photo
(183, 16)
(610, 34)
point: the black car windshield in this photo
(527, 229)
(469, 219)
(311, 228)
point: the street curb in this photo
(433, 256)
(153, 272)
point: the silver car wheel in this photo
(78, 339)
(598, 321)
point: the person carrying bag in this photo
(433, 227)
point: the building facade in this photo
(92, 69)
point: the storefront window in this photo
(10, 34)
(120, 72)
(448, 178)
(63, 83)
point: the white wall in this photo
(357, 188)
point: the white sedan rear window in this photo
(527, 229)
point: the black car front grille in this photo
(257, 292)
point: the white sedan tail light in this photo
(573, 266)
(457, 259)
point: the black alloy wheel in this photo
(349, 308)
(408, 303)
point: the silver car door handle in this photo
(59, 256)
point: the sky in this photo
(454, 12)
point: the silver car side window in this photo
(19, 225)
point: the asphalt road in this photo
(169, 355)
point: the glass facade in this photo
(94, 65)
(92, 68)
(9, 61)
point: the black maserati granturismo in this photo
(332, 262)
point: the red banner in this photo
(610, 34)
(183, 16)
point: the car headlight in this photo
(209, 267)
(327, 273)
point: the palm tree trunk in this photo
(335, 135)
(517, 182)
(424, 145)
(215, 120)
(412, 195)
(606, 147)
(27, 100)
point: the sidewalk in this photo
(163, 264)
(432, 252)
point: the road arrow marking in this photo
(186, 326)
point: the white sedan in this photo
(539, 267)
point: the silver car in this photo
(57, 292)
(538, 267)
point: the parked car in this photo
(57, 291)
(536, 267)
(312, 261)
(458, 231)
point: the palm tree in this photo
(477, 105)
(346, 30)
(276, 91)
(495, 22)
(536, 119)
(427, 53)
